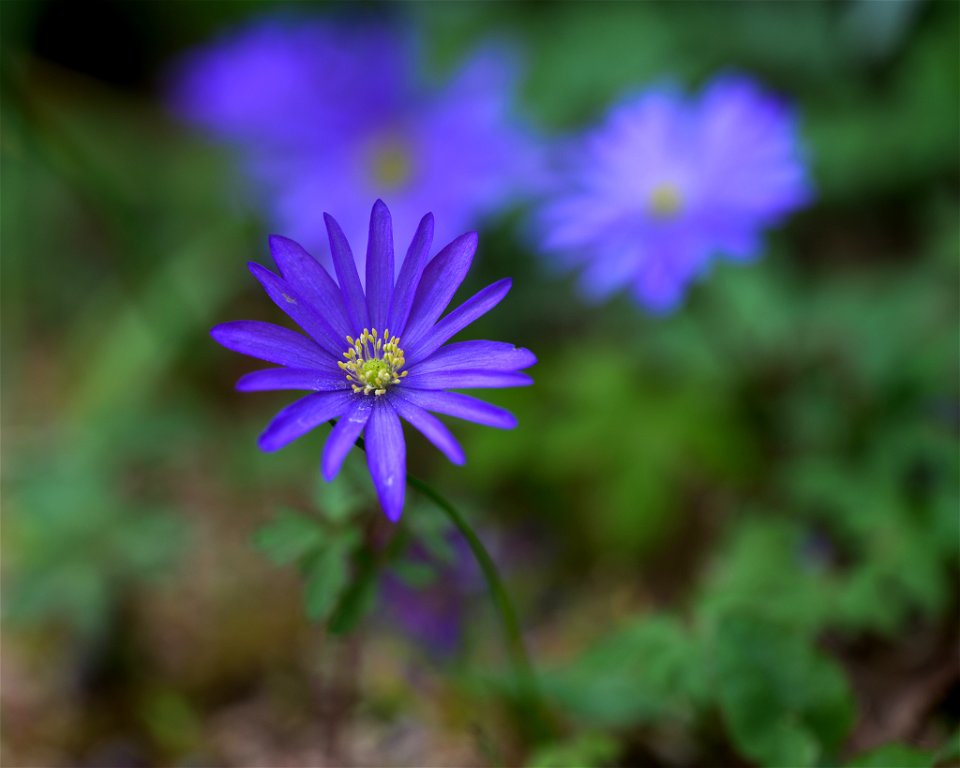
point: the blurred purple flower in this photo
(329, 116)
(433, 613)
(648, 199)
(353, 361)
(285, 83)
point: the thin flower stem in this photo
(508, 617)
(522, 667)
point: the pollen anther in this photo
(373, 362)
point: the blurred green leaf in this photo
(76, 547)
(359, 598)
(327, 573)
(348, 494)
(765, 568)
(290, 537)
(894, 756)
(784, 703)
(592, 750)
(650, 669)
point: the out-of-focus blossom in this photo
(433, 614)
(286, 83)
(328, 116)
(377, 355)
(647, 200)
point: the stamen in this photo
(665, 201)
(373, 362)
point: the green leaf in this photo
(590, 750)
(340, 499)
(647, 670)
(761, 567)
(784, 703)
(358, 598)
(289, 538)
(326, 575)
(893, 755)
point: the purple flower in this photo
(666, 184)
(376, 356)
(329, 116)
(433, 614)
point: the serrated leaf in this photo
(290, 537)
(340, 499)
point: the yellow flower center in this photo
(390, 164)
(665, 201)
(373, 362)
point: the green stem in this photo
(511, 627)
(522, 667)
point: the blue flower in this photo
(328, 116)
(647, 200)
(377, 355)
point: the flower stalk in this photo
(523, 669)
(519, 659)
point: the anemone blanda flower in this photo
(331, 115)
(279, 83)
(647, 200)
(379, 355)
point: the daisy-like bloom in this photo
(373, 357)
(331, 115)
(646, 201)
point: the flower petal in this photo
(473, 308)
(300, 417)
(431, 428)
(410, 273)
(379, 265)
(343, 437)
(292, 378)
(476, 356)
(458, 405)
(346, 269)
(308, 278)
(272, 343)
(298, 309)
(387, 458)
(466, 379)
(440, 280)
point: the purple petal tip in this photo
(267, 445)
(278, 241)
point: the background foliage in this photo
(732, 533)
